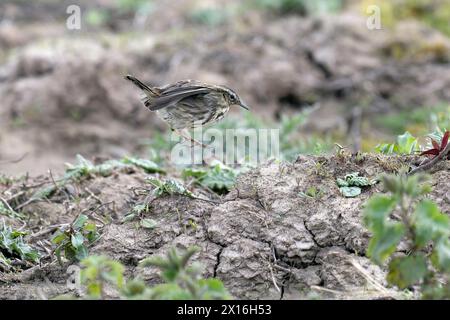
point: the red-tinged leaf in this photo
(435, 144)
(444, 140)
(433, 152)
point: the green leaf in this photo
(115, 272)
(43, 193)
(350, 192)
(11, 242)
(95, 290)
(79, 222)
(352, 183)
(377, 210)
(58, 254)
(5, 262)
(70, 252)
(407, 271)
(81, 253)
(147, 165)
(148, 223)
(10, 213)
(194, 173)
(341, 182)
(441, 255)
(429, 223)
(59, 237)
(106, 169)
(386, 148)
(134, 288)
(169, 291)
(169, 187)
(385, 241)
(219, 177)
(128, 217)
(90, 227)
(407, 143)
(77, 240)
(213, 289)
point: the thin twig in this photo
(369, 278)
(327, 290)
(93, 211)
(47, 230)
(16, 195)
(93, 195)
(26, 203)
(7, 204)
(428, 165)
(273, 278)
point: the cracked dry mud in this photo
(263, 240)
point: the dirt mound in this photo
(67, 96)
(263, 240)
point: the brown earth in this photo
(263, 239)
(65, 95)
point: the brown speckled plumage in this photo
(188, 104)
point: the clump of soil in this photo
(264, 239)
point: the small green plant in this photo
(219, 177)
(312, 192)
(13, 246)
(181, 279)
(6, 210)
(85, 169)
(97, 272)
(437, 147)
(168, 187)
(406, 144)
(73, 241)
(404, 215)
(350, 186)
(148, 223)
(136, 211)
(5, 180)
(148, 165)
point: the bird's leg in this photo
(188, 138)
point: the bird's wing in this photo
(174, 96)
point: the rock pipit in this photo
(188, 104)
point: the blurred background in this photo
(311, 68)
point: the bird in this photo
(188, 104)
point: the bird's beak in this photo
(243, 105)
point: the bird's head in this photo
(234, 99)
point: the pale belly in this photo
(178, 117)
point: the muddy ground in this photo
(62, 93)
(263, 239)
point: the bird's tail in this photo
(151, 92)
